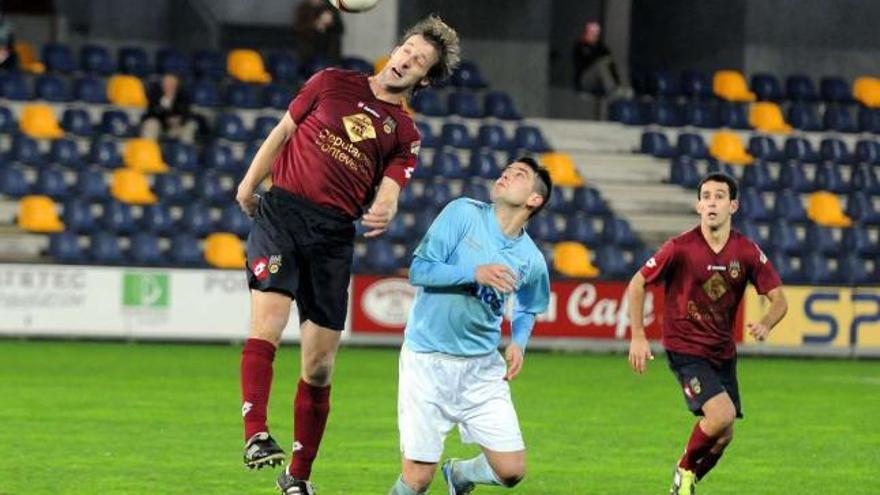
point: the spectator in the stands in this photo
(168, 113)
(8, 59)
(318, 30)
(594, 69)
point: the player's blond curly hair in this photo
(444, 39)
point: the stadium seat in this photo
(499, 104)
(617, 231)
(58, 58)
(573, 259)
(64, 248)
(224, 250)
(484, 165)
(579, 228)
(800, 88)
(170, 188)
(752, 206)
(733, 116)
(14, 87)
(713, 166)
(559, 203)
(437, 195)
(757, 176)
(467, 75)
(626, 112)
(869, 120)
(250, 151)
(145, 250)
(95, 59)
(214, 188)
(8, 124)
(38, 214)
(692, 145)
(447, 165)
(76, 121)
(143, 155)
(380, 257)
(263, 125)
(464, 104)
(91, 186)
(792, 176)
(126, 91)
(427, 102)
(701, 114)
(834, 150)
(784, 239)
(133, 60)
(730, 85)
(180, 156)
(866, 90)
(206, 94)
(821, 240)
(837, 118)
(766, 87)
(88, 89)
(282, 67)
(764, 148)
(26, 150)
(196, 219)
(727, 147)
(232, 219)
(816, 269)
(50, 182)
(803, 117)
(868, 151)
(856, 271)
(835, 90)
(52, 88)
(456, 135)
(65, 152)
(667, 114)
(696, 85)
(829, 178)
(104, 249)
(411, 198)
(157, 219)
(589, 200)
(683, 171)
(429, 139)
(315, 64)
(38, 121)
(27, 58)
(861, 208)
(173, 61)
(477, 191)
(544, 228)
(530, 138)
(209, 64)
(864, 178)
(612, 263)
(857, 240)
(219, 157)
(243, 95)
(800, 149)
(185, 251)
(656, 144)
(789, 207)
(749, 229)
(491, 136)
(116, 123)
(104, 152)
(663, 84)
(562, 169)
(766, 116)
(230, 126)
(276, 96)
(825, 209)
(131, 186)
(13, 182)
(357, 64)
(117, 218)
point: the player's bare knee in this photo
(318, 371)
(418, 476)
(511, 473)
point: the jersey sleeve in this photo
(658, 265)
(304, 101)
(402, 162)
(534, 295)
(430, 266)
(763, 275)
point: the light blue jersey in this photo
(453, 314)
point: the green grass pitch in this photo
(113, 418)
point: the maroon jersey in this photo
(345, 141)
(703, 290)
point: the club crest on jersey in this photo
(734, 269)
(715, 287)
(274, 263)
(389, 125)
(359, 127)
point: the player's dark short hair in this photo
(732, 184)
(543, 184)
(445, 41)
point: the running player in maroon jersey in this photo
(345, 145)
(705, 271)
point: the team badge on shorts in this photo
(274, 263)
(734, 269)
(695, 385)
(260, 268)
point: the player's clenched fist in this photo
(497, 276)
(247, 200)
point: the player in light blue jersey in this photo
(474, 257)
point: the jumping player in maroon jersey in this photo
(705, 271)
(345, 145)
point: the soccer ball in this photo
(354, 6)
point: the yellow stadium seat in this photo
(131, 186)
(767, 117)
(562, 169)
(126, 91)
(224, 250)
(39, 122)
(27, 58)
(866, 90)
(825, 209)
(247, 66)
(731, 85)
(144, 155)
(38, 214)
(727, 147)
(379, 64)
(572, 259)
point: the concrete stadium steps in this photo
(597, 137)
(19, 246)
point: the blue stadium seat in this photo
(423, 220)
(766, 87)
(243, 95)
(500, 105)
(834, 150)
(446, 164)
(589, 200)
(617, 231)
(821, 240)
(250, 151)
(692, 145)
(8, 124)
(869, 120)
(856, 240)
(764, 148)
(626, 112)
(423, 170)
(437, 195)
(429, 139)
(64, 248)
(157, 219)
(104, 249)
(484, 164)
(276, 96)
(579, 227)
(116, 123)
(713, 166)
(860, 208)
(656, 144)
(792, 176)
(464, 104)
(170, 189)
(427, 102)
(76, 121)
(467, 75)
(218, 156)
(78, 217)
(803, 116)
(96, 59)
(816, 269)
(89, 89)
(283, 67)
(26, 150)
(785, 268)
(799, 87)
(65, 152)
(173, 61)
(410, 200)
(380, 257)
(733, 115)
(530, 138)
(397, 230)
(133, 60)
(196, 219)
(145, 250)
(829, 178)
(180, 156)
(313, 65)
(683, 171)
(478, 191)
(58, 58)
(757, 176)
(696, 85)
(864, 178)
(263, 125)
(185, 251)
(91, 186)
(783, 239)
(543, 228)
(854, 270)
(105, 152)
(868, 151)
(13, 182)
(456, 135)
(232, 219)
(230, 126)
(492, 136)
(664, 84)
(214, 189)
(357, 64)
(750, 229)
(559, 203)
(789, 207)
(50, 182)
(52, 88)
(667, 114)
(837, 118)
(118, 217)
(209, 64)
(14, 87)
(752, 206)
(612, 265)
(798, 148)
(206, 94)
(701, 114)
(835, 90)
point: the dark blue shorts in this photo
(303, 250)
(701, 380)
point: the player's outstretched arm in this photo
(775, 313)
(639, 349)
(383, 209)
(262, 164)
